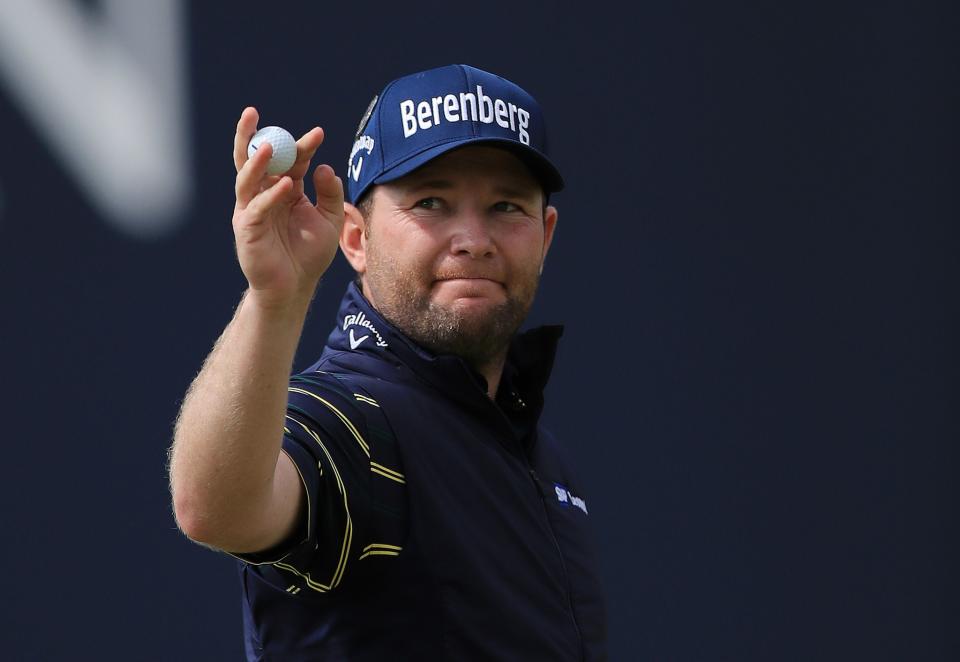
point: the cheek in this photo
(524, 250)
(422, 246)
(407, 255)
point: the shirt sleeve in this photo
(326, 437)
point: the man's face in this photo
(453, 251)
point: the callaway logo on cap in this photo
(421, 116)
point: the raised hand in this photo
(284, 241)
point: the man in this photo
(397, 500)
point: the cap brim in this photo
(539, 165)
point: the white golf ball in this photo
(284, 148)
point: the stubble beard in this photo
(479, 337)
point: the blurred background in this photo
(755, 261)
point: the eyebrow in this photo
(510, 192)
(431, 183)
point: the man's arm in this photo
(232, 487)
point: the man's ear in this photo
(549, 225)
(352, 239)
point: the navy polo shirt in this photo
(440, 525)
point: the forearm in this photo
(228, 434)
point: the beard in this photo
(479, 337)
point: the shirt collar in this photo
(363, 333)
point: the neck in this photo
(492, 371)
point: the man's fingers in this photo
(306, 148)
(246, 127)
(261, 204)
(329, 189)
(250, 179)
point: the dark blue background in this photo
(756, 263)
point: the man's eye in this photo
(428, 203)
(506, 207)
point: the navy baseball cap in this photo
(418, 117)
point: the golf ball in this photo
(284, 148)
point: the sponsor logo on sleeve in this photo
(567, 498)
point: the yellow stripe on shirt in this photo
(348, 531)
(387, 473)
(380, 549)
(346, 421)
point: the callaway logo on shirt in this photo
(360, 319)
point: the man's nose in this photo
(472, 235)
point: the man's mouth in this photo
(469, 285)
(468, 277)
